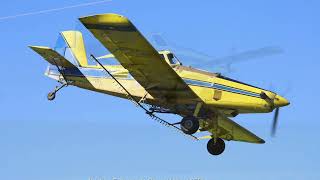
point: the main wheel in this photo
(189, 125)
(51, 96)
(216, 148)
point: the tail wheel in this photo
(189, 125)
(51, 96)
(216, 147)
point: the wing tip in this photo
(36, 48)
(261, 141)
(108, 18)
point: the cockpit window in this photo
(162, 56)
(172, 59)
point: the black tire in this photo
(51, 96)
(189, 125)
(216, 148)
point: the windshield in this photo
(173, 59)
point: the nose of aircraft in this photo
(280, 101)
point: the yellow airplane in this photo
(158, 82)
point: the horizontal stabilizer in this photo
(52, 56)
(106, 56)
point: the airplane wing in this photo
(230, 130)
(144, 63)
(137, 55)
(52, 56)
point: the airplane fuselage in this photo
(215, 90)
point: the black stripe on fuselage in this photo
(222, 87)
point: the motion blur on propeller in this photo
(275, 103)
(157, 82)
(223, 64)
(275, 122)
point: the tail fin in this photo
(74, 40)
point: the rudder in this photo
(74, 40)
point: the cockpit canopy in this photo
(169, 57)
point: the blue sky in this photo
(84, 134)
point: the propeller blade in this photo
(201, 60)
(246, 55)
(275, 122)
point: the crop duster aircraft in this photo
(158, 82)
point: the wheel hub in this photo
(189, 125)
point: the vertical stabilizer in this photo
(75, 41)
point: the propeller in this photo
(275, 122)
(276, 113)
(207, 62)
(270, 100)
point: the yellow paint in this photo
(75, 41)
(161, 81)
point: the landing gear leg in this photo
(52, 95)
(216, 146)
